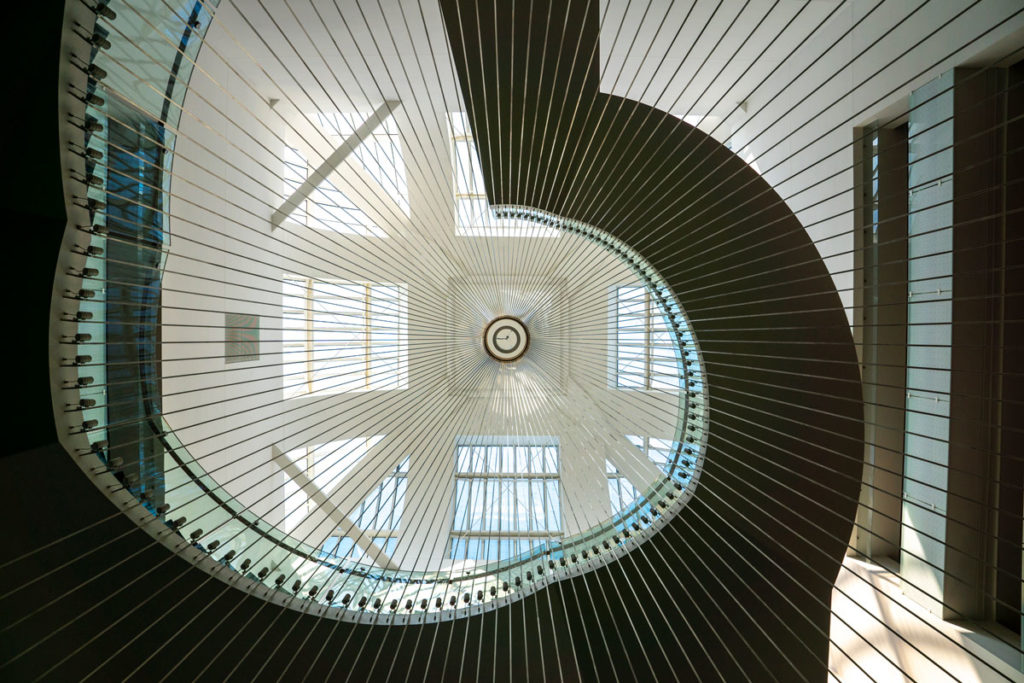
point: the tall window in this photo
(379, 517)
(327, 208)
(662, 453)
(379, 153)
(473, 215)
(343, 336)
(507, 500)
(326, 466)
(345, 547)
(621, 493)
(644, 351)
(381, 513)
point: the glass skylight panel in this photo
(331, 209)
(631, 337)
(644, 349)
(386, 543)
(345, 547)
(380, 153)
(382, 509)
(339, 547)
(387, 332)
(343, 336)
(332, 462)
(492, 549)
(621, 493)
(326, 466)
(327, 208)
(473, 214)
(506, 500)
(469, 177)
(661, 452)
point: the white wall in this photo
(797, 125)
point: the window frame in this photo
(357, 223)
(498, 536)
(683, 467)
(654, 324)
(613, 474)
(384, 140)
(395, 325)
(386, 537)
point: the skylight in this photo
(379, 516)
(645, 353)
(327, 208)
(344, 547)
(507, 500)
(621, 493)
(662, 453)
(381, 511)
(380, 153)
(326, 466)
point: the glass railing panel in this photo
(153, 45)
(128, 187)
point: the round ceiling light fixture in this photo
(506, 339)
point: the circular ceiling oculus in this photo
(506, 338)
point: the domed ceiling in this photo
(413, 323)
